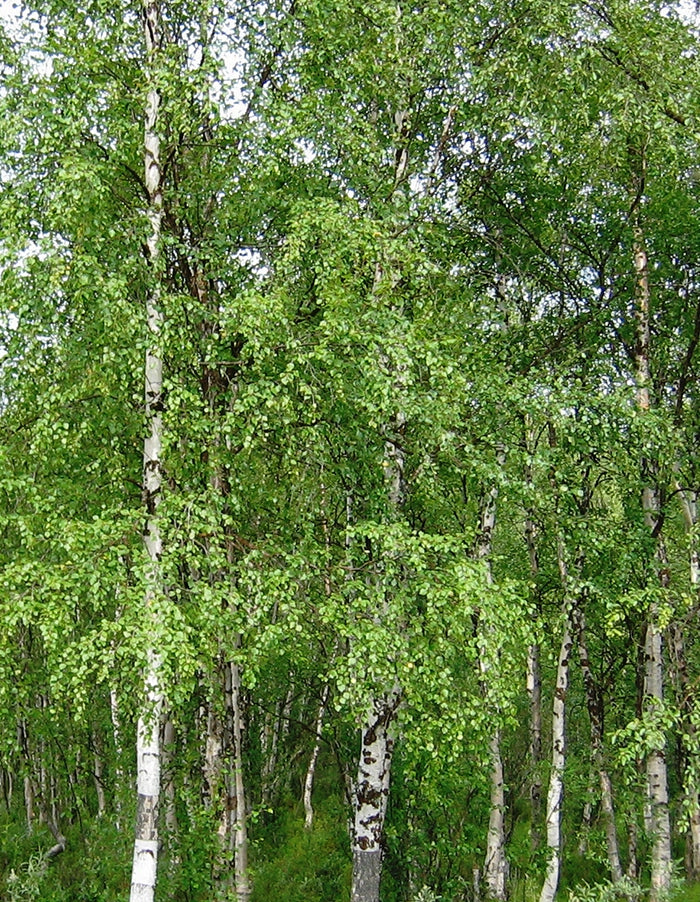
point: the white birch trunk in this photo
(534, 691)
(240, 824)
(213, 756)
(495, 863)
(657, 779)
(656, 770)
(311, 769)
(371, 792)
(98, 775)
(118, 754)
(29, 804)
(533, 678)
(148, 752)
(372, 795)
(555, 792)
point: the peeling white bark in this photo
(495, 862)
(372, 795)
(555, 792)
(145, 861)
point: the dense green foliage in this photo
(428, 208)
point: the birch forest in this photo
(349, 451)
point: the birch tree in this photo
(148, 748)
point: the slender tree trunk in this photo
(685, 691)
(238, 830)
(657, 779)
(311, 769)
(632, 847)
(7, 787)
(495, 863)
(213, 756)
(372, 785)
(555, 792)
(118, 755)
(688, 745)
(169, 751)
(534, 679)
(143, 877)
(595, 715)
(98, 775)
(29, 803)
(534, 691)
(586, 815)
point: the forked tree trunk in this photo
(145, 863)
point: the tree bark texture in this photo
(555, 792)
(148, 752)
(372, 795)
(495, 862)
(239, 822)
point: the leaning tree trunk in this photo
(143, 876)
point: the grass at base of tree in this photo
(298, 865)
